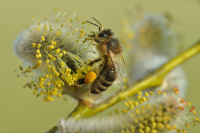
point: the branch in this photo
(151, 80)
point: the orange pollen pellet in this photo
(90, 77)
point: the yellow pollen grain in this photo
(132, 107)
(33, 45)
(38, 45)
(146, 94)
(58, 34)
(43, 38)
(126, 103)
(151, 93)
(59, 95)
(153, 131)
(46, 75)
(35, 92)
(37, 56)
(39, 61)
(137, 111)
(135, 103)
(50, 56)
(58, 50)
(51, 47)
(159, 92)
(60, 55)
(40, 55)
(82, 34)
(174, 126)
(48, 83)
(139, 97)
(139, 93)
(141, 126)
(64, 52)
(76, 58)
(124, 111)
(47, 61)
(52, 42)
(38, 28)
(37, 51)
(143, 99)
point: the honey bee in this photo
(113, 64)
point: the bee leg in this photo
(89, 39)
(84, 102)
(95, 61)
(97, 41)
(93, 39)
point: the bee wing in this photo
(117, 70)
(122, 68)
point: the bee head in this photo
(105, 33)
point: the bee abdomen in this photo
(103, 81)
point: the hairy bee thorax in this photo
(114, 45)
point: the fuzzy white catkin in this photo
(154, 44)
(165, 111)
(154, 32)
(55, 53)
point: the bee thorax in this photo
(114, 45)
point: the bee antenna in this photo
(93, 24)
(97, 21)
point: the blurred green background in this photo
(21, 111)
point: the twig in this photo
(151, 80)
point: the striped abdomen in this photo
(104, 80)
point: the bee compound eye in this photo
(102, 35)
